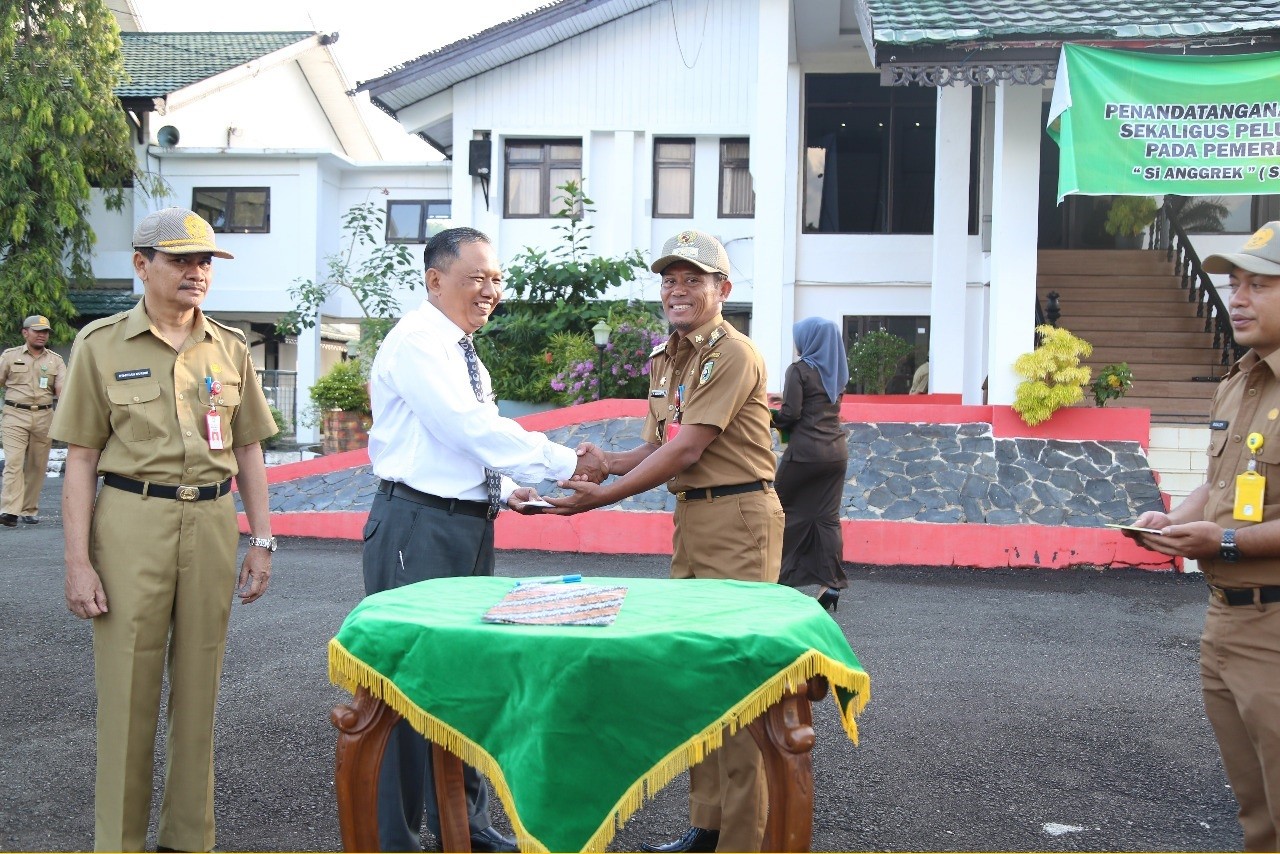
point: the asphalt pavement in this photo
(1010, 710)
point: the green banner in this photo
(1138, 124)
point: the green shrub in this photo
(548, 294)
(873, 359)
(344, 387)
(282, 426)
(1054, 376)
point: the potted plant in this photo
(1112, 383)
(342, 397)
(1128, 218)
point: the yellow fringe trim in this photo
(349, 673)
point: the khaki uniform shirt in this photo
(31, 379)
(1248, 401)
(144, 405)
(724, 386)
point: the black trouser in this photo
(405, 543)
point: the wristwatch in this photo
(1229, 551)
(268, 543)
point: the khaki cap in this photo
(697, 248)
(36, 323)
(1260, 254)
(176, 231)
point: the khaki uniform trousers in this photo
(168, 569)
(26, 456)
(736, 537)
(1239, 660)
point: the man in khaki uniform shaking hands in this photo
(164, 403)
(31, 376)
(707, 438)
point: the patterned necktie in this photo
(492, 480)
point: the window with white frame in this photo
(416, 220)
(234, 210)
(672, 177)
(534, 168)
(737, 196)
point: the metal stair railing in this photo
(1166, 234)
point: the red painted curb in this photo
(865, 541)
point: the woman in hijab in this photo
(811, 475)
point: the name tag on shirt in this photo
(214, 422)
(135, 374)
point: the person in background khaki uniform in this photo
(1231, 525)
(31, 376)
(707, 438)
(164, 402)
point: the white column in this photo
(1014, 209)
(768, 167)
(308, 373)
(947, 329)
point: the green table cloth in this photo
(576, 725)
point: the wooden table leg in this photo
(451, 801)
(784, 734)
(363, 729)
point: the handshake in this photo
(592, 468)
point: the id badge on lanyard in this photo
(1251, 487)
(212, 420)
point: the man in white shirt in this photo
(446, 460)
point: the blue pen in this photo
(555, 579)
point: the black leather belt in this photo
(1244, 595)
(31, 407)
(163, 490)
(722, 491)
(426, 499)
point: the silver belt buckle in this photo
(188, 493)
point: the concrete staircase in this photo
(1129, 305)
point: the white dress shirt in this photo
(429, 431)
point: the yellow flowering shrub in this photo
(1054, 377)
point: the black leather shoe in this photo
(694, 839)
(490, 839)
(30, 520)
(9, 520)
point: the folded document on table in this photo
(558, 605)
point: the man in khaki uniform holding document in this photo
(707, 438)
(164, 402)
(1231, 525)
(31, 376)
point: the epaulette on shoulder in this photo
(101, 323)
(661, 348)
(238, 332)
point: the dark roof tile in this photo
(162, 63)
(915, 22)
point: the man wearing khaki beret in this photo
(163, 402)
